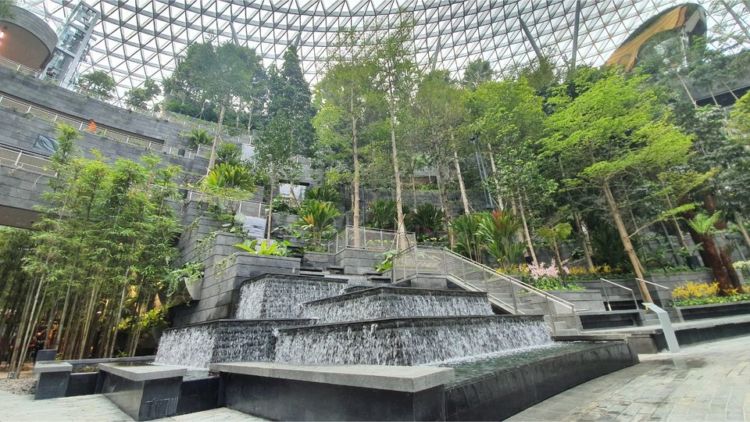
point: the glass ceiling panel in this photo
(140, 39)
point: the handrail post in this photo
(606, 295)
(18, 159)
(515, 298)
(416, 265)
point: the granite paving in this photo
(704, 382)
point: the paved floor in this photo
(94, 408)
(706, 382)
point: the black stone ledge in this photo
(413, 321)
(293, 278)
(53, 379)
(501, 394)
(249, 322)
(416, 291)
(143, 392)
(289, 392)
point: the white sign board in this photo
(285, 190)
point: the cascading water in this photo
(221, 341)
(389, 302)
(413, 341)
(277, 297)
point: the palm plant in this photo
(316, 222)
(426, 222)
(325, 192)
(468, 240)
(382, 214)
(198, 137)
(497, 231)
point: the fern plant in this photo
(316, 222)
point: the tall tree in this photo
(290, 98)
(226, 77)
(611, 138)
(477, 72)
(396, 78)
(347, 104)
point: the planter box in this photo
(715, 310)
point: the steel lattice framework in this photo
(136, 39)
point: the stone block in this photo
(143, 392)
(52, 379)
(357, 392)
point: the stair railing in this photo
(412, 261)
(606, 294)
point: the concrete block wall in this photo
(21, 132)
(358, 261)
(20, 194)
(79, 106)
(225, 268)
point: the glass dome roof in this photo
(136, 39)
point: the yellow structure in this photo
(690, 18)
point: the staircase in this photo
(506, 294)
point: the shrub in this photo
(264, 247)
(693, 290)
(198, 137)
(227, 153)
(426, 222)
(316, 222)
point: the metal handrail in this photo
(18, 67)
(660, 286)
(609, 303)
(513, 280)
(495, 276)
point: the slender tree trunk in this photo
(355, 182)
(499, 199)
(401, 242)
(626, 243)
(64, 314)
(558, 257)
(413, 190)
(33, 321)
(269, 221)
(88, 315)
(588, 250)
(20, 331)
(212, 158)
(444, 204)
(527, 233)
(741, 225)
(461, 186)
(118, 315)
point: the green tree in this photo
(140, 97)
(347, 106)
(290, 99)
(97, 83)
(739, 120)
(315, 222)
(616, 135)
(477, 72)
(395, 79)
(226, 76)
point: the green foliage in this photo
(315, 222)
(469, 242)
(198, 137)
(140, 97)
(426, 222)
(325, 192)
(477, 72)
(97, 83)
(210, 77)
(230, 181)
(387, 263)
(227, 153)
(284, 205)
(497, 231)
(704, 224)
(739, 120)
(188, 274)
(552, 283)
(381, 214)
(264, 247)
